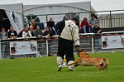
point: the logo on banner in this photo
(13, 48)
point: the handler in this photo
(68, 35)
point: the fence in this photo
(107, 19)
(90, 42)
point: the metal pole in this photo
(110, 19)
(23, 16)
(46, 19)
(47, 47)
(92, 44)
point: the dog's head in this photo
(83, 53)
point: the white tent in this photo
(14, 13)
(12, 7)
(59, 9)
(46, 10)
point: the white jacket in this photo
(26, 34)
(70, 32)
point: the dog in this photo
(86, 60)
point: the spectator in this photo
(20, 33)
(41, 25)
(93, 20)
(32, 31)
(3, 36)
(85, 26)
(38, 33)
(97, 37)
(47, 33)
(51, 23)
(12, 34)
(33, 24)
(26, 33)
(97, 29)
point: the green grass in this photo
(44, 69)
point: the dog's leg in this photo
(106, 67)
(106, 63)
(76, 62)
(98, 66)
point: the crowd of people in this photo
(88, 26)
(92, 26)
(29, 31)
(34, 30)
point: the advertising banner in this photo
(109, 42)
(23, 47)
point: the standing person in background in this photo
(3, 36)
(93, 20)
(51, 23)
(69, 35)
(85, 26)
(12, 34)
(33, 24)
(38, 33)
(97, 38)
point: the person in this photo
(97, 38)
(47, 32)
(85, 26)
(51, 23)
(93, 20)
(12, 34)
(68, 35)
(32, 31)
(3, 36)
(26, 33)
(33, 24)
(38, 33)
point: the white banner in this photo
(109, 42)
(23, 47)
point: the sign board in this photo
(109, 42)
(23, 47)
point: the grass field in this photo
(44, 69)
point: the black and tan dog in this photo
(86, 60)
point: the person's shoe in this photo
(59, 67)
(71, 68)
